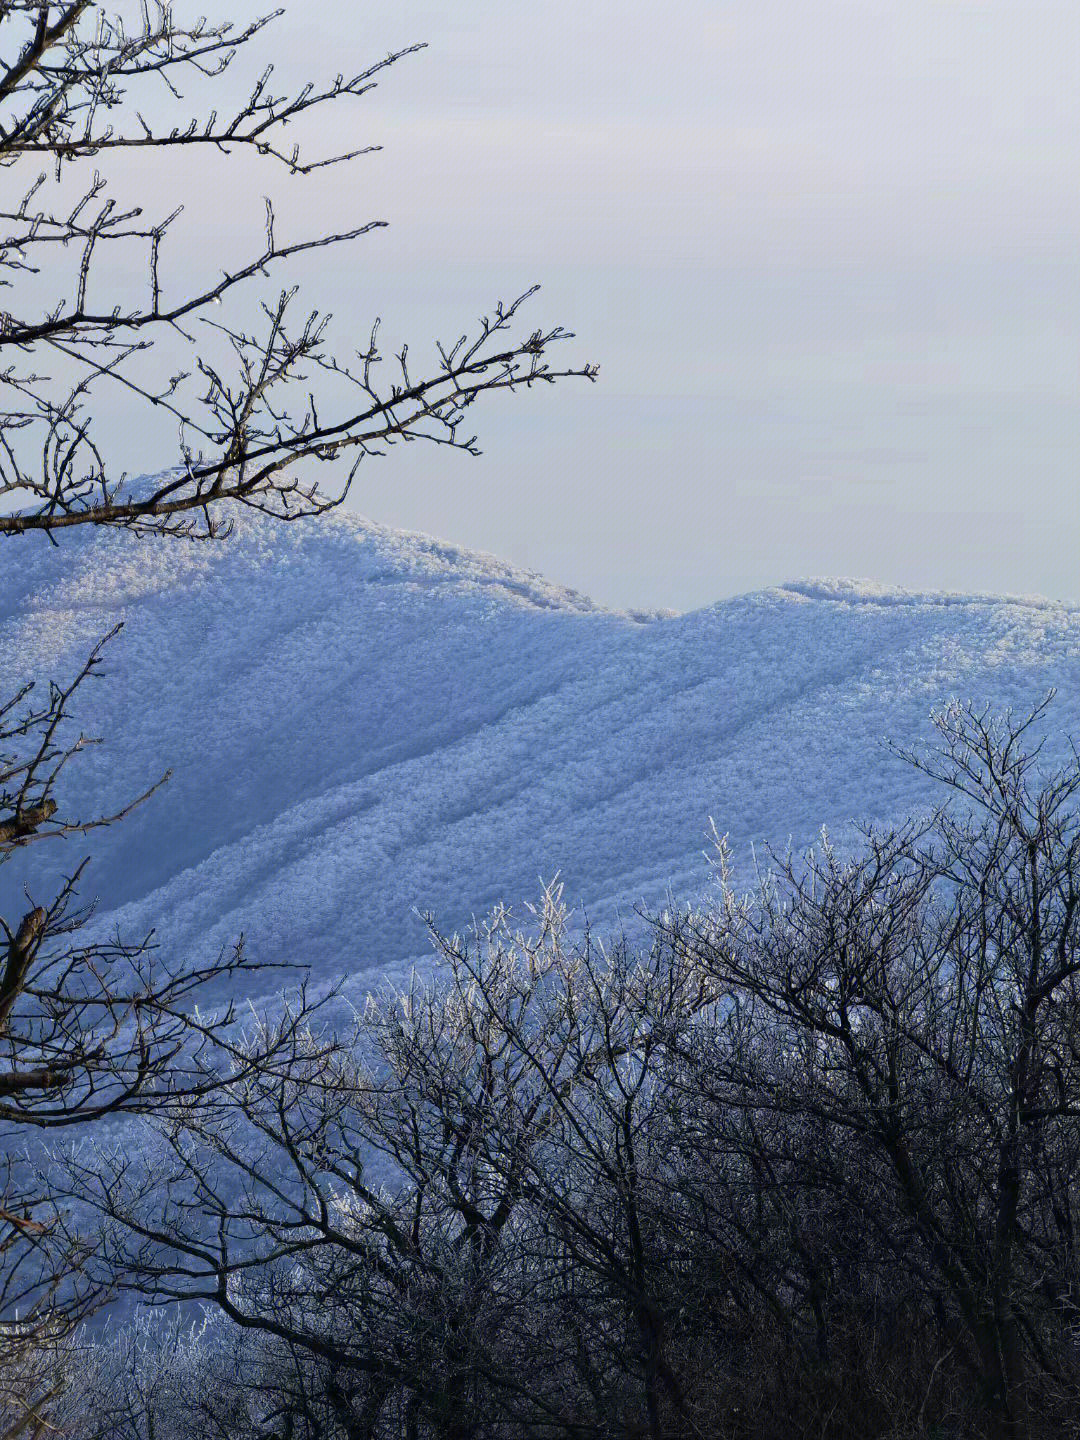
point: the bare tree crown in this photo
(256, 425)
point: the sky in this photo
(827, 256)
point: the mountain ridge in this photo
(364, 723)
(873, 593)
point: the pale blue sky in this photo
(826, 252)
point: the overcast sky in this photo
(825, 252)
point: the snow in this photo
(363, 723)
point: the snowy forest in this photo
(322, 1118)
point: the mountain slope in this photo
(362, 722)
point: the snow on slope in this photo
(363, 722)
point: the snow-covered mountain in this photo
(363, 723)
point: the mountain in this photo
(363, 723)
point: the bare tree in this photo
(505, 1277)
(96, 1028)
(897, 1075)
(76, 86)
(91, 1028)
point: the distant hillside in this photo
(363, 722)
